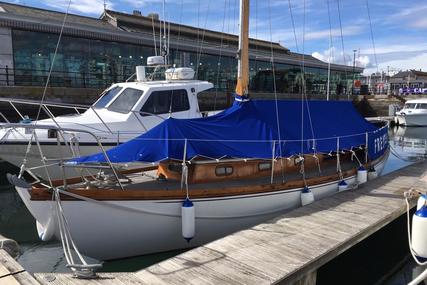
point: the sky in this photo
(387, 35)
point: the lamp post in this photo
(354, 71)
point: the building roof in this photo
(412, 72)
(135, 29)
(50, 16)
(140, 23)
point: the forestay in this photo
(249, 130)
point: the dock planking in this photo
(293, 246)
(12, 273)
(286, 250)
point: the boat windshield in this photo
(126, 100)
(106, 98)
(410, 105)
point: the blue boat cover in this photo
(251, 130)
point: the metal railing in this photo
(60, 161)
(77, 109)
(38, 77)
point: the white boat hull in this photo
(116, 229)
(413, 120)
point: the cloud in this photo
(141, 3)
(88, 7)
(414, 62)
(338, 57)
(411, 16)
(323, 34)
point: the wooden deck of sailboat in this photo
(147, 187)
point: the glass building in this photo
(93, 53)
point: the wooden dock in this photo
(286, 250)
(11, 272)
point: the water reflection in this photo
(408, 145)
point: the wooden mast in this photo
(243, 52)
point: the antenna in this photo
(164, 48)
(105, 5)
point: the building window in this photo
(262, 166)
(223, 170)
(167, 101)
(126, 100)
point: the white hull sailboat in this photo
(110, 229)
(210, 176)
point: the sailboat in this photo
(210, 176)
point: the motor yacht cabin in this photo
(122, 112)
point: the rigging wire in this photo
(372, 34)
(273, 69)
(235, 9)
(330, 51)
(293, 25)
(220, 54)
(342, 42)
(256, 35)
(303, 80)
(154, 35)
(46, 85)
(200, 46)
(179, 29)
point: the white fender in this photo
(421, 201)
(46, 231)
(307, 196)
(372, 173)
(342, 186)
(362, 175)
(188, 219)
(419, 232)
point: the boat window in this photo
(422, 106)
(410, 105)
(223, 170)
(106, 98)
(126, 100)
(264, 166)
(175, 167)
(165, 101)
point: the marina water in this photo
(408, 145)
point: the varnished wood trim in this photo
(41, 194)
